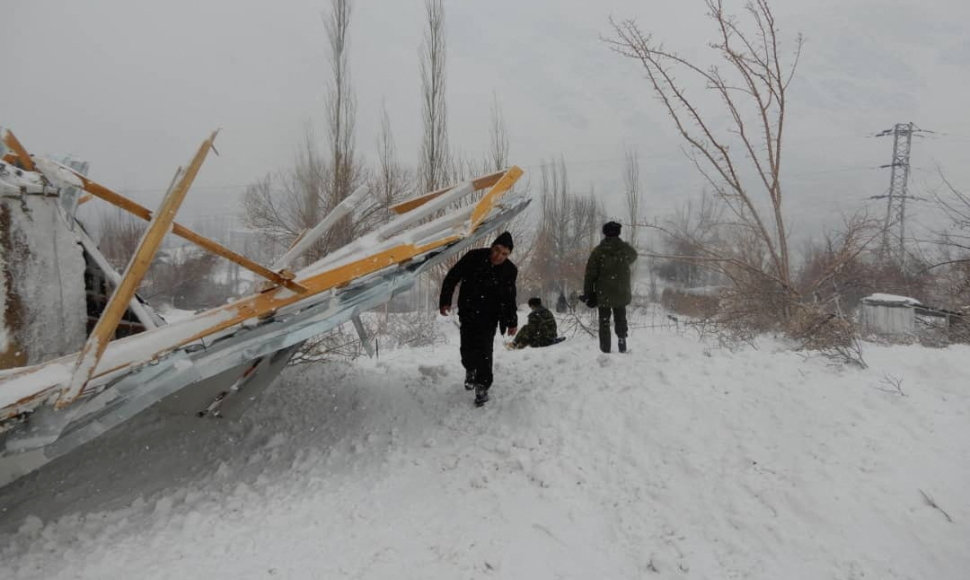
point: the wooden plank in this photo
(268, 302)
(109, 272)
(99, 338)
(426, 210)
(116, 199)
(502, 185)
(478, 183)
(11, 141)
(98, 190)
(259, 305)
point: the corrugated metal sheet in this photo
(890, 320)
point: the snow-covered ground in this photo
(678, 460)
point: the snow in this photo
(133, 349)
(677, 460)
(49, 280)
(892, 299)
(57, 173)
(144, 346)
(25, 381)
(703, 290)
(4, 334)
(172, 315)
(14, 181)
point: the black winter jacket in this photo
(487, 291)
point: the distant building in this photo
(888, 314)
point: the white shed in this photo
(889, 314)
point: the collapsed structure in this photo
(78, 364)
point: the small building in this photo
(888, 314)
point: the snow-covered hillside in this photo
(678, 460)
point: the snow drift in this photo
(678, 460)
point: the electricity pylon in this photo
(895, 246)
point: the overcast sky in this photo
(134, 87)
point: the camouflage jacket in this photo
(544, 323)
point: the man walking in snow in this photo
(541, 328)
(607, 284)
(486, 300)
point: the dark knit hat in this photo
(611, 229)
(535, 302)
(504, 239)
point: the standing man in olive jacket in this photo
(486, 300)
(607, 284)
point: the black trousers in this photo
(619, 314)
(477, 341)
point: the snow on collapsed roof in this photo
(14, 180)
(891, 299)
(22, 382)
(58, 172)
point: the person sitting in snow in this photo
(540, 330)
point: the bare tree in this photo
(434, 146)
(948, 261)
(119, 234)
(693, 229)
(284, 204)
(184, 276)
(390, 181)
(955, 237)
(567, 232)
(836, 270)
(498, 160)
(498, 152)
(341, 116)
(181, 274)
(751, 89)
(631, 181)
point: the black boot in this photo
(621, 344)
(605, 343)
(469, 380)
(481, 395)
